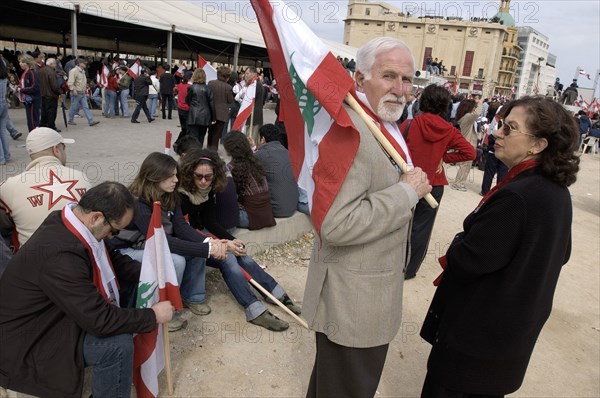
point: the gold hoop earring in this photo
(530, 152)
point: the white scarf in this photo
(103, 275)
(393, 128)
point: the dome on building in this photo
(505, 18)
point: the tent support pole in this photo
(74, 29)
(170, 47)
(236, 55)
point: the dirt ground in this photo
(221, 355)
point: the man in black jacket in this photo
(59, 303)
(167, 85)
(140, 92)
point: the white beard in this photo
(390, 113)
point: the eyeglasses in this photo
(507, 130)
(208, 177)
(113, 230)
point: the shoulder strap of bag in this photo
(405, 133)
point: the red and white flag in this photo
(158, 282)
(312, 85)
(246, 107)
(584, 73)
(181, 70)
(211, 72)
(135, 68)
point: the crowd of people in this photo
(66, 294)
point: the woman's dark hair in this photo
(196, 157)
(156, 168)
(110, 197)
(550, 120)
(465, 106)
(245, 164)
(435, 99)
(186, 144)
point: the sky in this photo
(572, 27)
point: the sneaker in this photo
(17, 136)
(197, 308)
(270, 322)
(94, 123)
(71, 123)
(462, 188)
(287, 301)
(177, 323)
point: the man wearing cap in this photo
(77, 85)
(46, 185)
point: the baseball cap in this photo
(42, 138)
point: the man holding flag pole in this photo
(361, 204)
(60, 303)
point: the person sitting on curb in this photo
(275, 159)
(157, 181)
(59, 303)
(202, 176)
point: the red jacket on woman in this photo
(429, 138)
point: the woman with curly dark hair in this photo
(203, 175)
(501, 272)
(250, 180)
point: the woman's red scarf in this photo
(512, 173)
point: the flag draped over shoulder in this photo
(158, 282)
(211, 72)
(246, 107)
(312, 86)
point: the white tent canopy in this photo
(235, 24)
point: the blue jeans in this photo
(110, 98)
(231, 269)
(4, 148)
(190, 271)
(112, 361)
(80, 101)
(244, 221)
(124, 104)
(153, 98)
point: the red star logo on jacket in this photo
(58, 189)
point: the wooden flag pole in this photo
(391, 151)
(279, 303)
(165, 327)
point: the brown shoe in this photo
(197, 308)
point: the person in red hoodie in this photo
(432, 140)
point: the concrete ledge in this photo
(287, 229)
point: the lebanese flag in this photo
(134, 70)
(246, 107)
(182, 68)
(312, 85)
(158, 282)
(514, 89)
(211, 73)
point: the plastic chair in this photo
(591, 143)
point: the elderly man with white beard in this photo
(353, 295)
